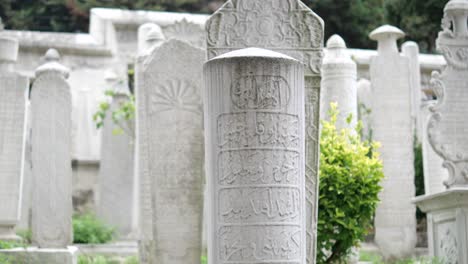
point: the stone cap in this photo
(386, 31)
(254, 53)
(456, 5)
(336, 42)
(8, 47)
(117, 86)
(52, 58)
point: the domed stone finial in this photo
(149, 35)
(336, 42)
(52, 58)
(456, 16)
(387, 37)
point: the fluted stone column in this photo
(447, 211)
(13, 99)
(51, 157)
(339, 74)
(255, 156)
(395, 220)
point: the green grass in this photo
(87, 229)
(375, 258)
(87, 259)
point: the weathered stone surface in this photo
(170, 121)
(26, 199)
(410, 49)
(364, 95)
(186, 31)
(395, 221)
(116, 182)
(145, 210)
(339, 74)
(13, 98)
(255, 158)
(51, 155)
(291, 28)
(434, 173)
(447, 211)
(38, 255)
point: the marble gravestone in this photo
(13, 99)
(364, 107)
(149, 37)
(255, 158)
(51, 155)
(410, 49)
(291, 28)
(447, 211)
(395, 221)
(434, 173)
(169, 83)
(116, 182)
(339, 77)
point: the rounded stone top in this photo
(336, 42)
(52, 58)
(154, 34)
(254, 53)
(110, 76)
(456, 5)
(386, 31)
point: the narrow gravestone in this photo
(13, 98)
(410, 49)
(395, 220)
(51, 157)
(291, 28)
(364, 107)
(447, 211)
(170, 128)
(339, 77)
(255, 158)
(434, 173)
(149, 37)
(115, 182)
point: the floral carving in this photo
(175, 94)
(186, 31)
(448, 247)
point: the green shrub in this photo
(26, 235)
(350, 175)
(131, 260)
(87, 259)
(204, 260)
(11, 244)
(87, 229)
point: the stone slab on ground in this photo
(120, 248)
(38, 255)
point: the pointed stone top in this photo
(385, 32)
(456, 5)
(52, 58)
(336, 42)
(254, 52)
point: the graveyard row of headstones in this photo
(252, 130)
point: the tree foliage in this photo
(350, 175)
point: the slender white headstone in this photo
(13, 98)
(149, 37)
(339, 74)
(288, 27)
(170, 120)
(395, 220)
(115, 183)
(447, 211)
(410, 49)
(255, 158)
(51, 155)
(364, 107)
(434, 173)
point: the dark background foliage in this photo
(352, 19)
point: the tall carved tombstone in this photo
(339, 77)
(364, 107)
(51, 157)
(255, 158)
(395, 220)
(149, 37)
(291, 28)
(434, 172)
(410, 49)
(447, 131)
(13, 98)
(171, 127)
(115, 183)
